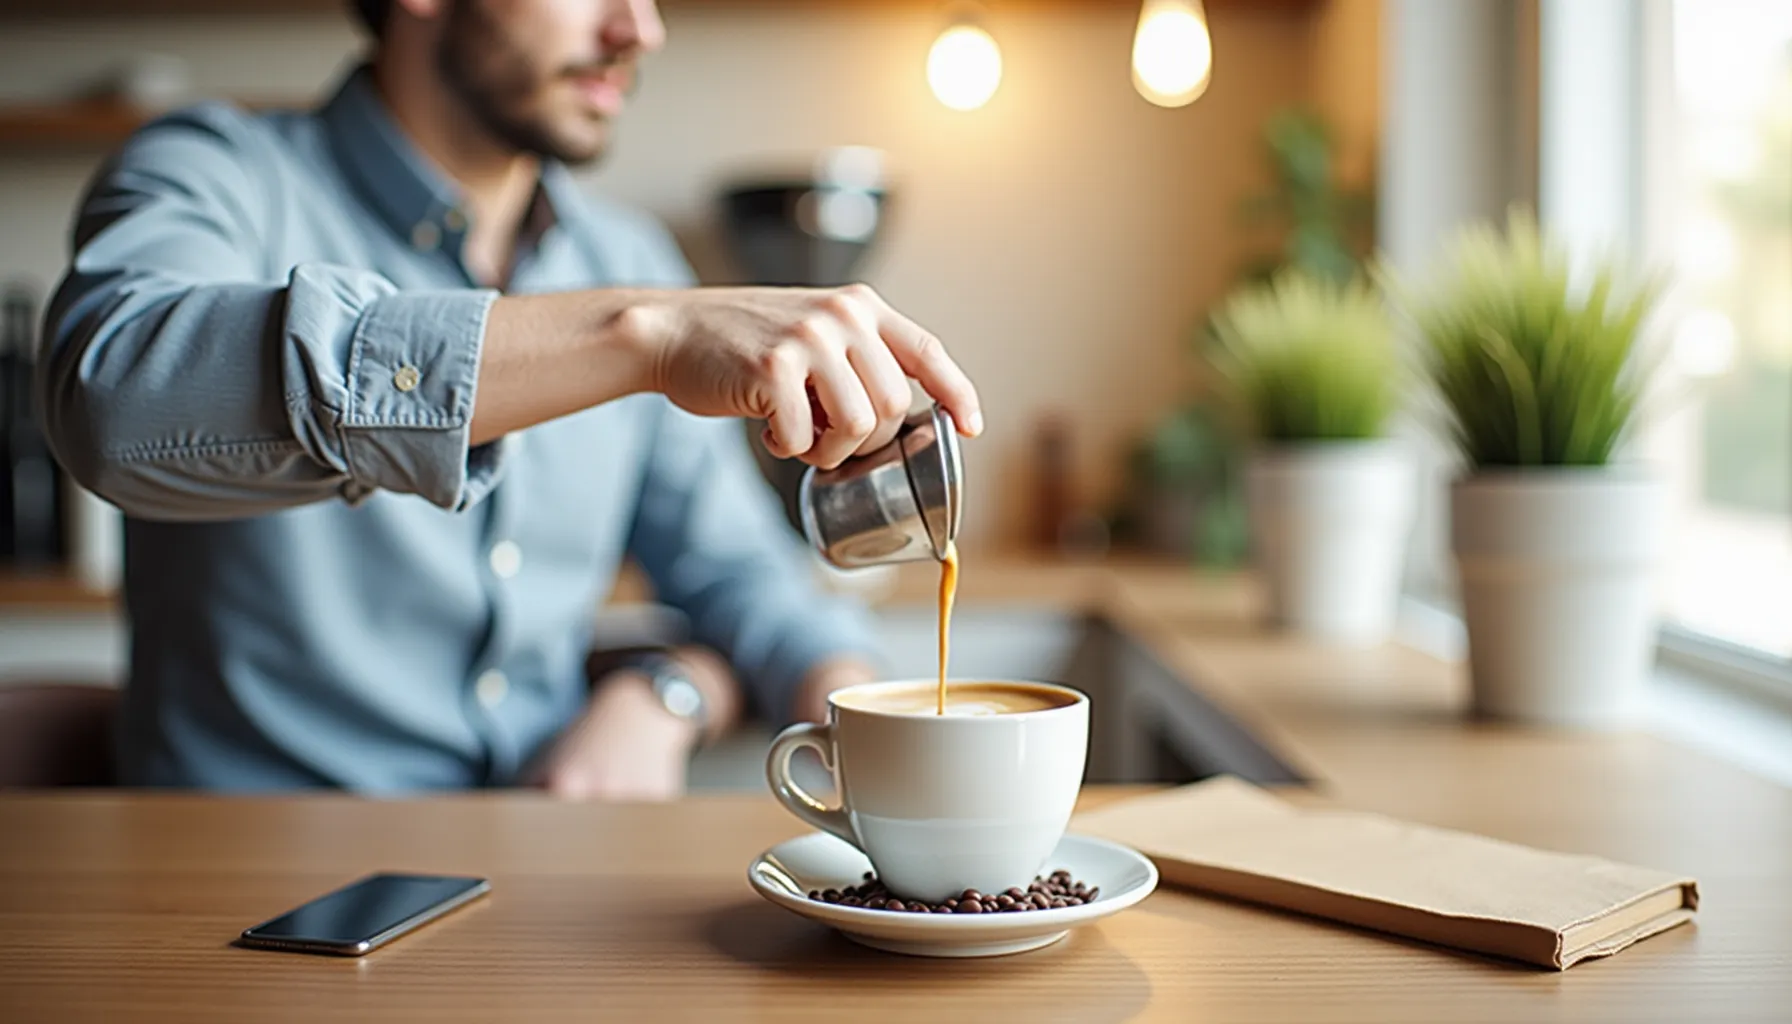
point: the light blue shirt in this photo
(266, 353)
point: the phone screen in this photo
(362, 911)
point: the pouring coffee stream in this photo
(900, 503)
(948, 591)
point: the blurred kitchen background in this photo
(1070, 235)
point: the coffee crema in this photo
(964, 699)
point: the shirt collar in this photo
(415, 198)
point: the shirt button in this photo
(426, 235)
(506, 559)
(491, 688)
(455, 220)
(407, 378)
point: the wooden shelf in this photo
(50, 590)
(79, 124)
(65, 10)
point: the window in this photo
(1726, 209)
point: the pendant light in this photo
(964, 66)
(1172, 53)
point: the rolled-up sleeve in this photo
(185, 377)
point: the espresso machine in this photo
(811, 230)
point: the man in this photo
(386, 401)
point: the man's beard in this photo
(496, 80)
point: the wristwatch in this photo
(672, 685)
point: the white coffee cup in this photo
(972, 799)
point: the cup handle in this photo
(819, 738)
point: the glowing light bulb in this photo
(1172, 54)
(964, 67)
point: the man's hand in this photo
(811, 702)
(626, 745)
(826, 368)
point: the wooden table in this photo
(119, 907)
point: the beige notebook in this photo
(1452, 888)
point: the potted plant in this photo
(1310, 363)
(1536, 360)
(1184, 494)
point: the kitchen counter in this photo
(122, 906)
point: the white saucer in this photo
(786, 873)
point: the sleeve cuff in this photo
(413, 373)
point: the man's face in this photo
(547, 76)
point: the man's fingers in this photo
(857, 309)
(843, 397)
(923, 357)
(885, 386)
(789, 428)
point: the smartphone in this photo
(366, 914)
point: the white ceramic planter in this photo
(1329, 525)
(1556, 568)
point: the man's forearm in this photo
(547, 356)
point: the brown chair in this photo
(56, 734)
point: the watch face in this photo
(681, 697)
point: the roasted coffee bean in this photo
(1053, 892)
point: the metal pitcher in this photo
(900, 503)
